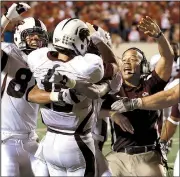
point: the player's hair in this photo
(65, 51)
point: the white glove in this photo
(125, 104)
(63, 79)
(16, 10)
(106, 36)
(96, 37)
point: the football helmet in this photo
(71, 34)
(27, 27)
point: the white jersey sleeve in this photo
(35, 61)
(36, 58)
(96, 68)
(11, 50)
(7, 47)
(172, 84)
(90, 67)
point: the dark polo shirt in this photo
(143, 121)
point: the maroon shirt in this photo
(143, 121)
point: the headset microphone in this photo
(130, 72)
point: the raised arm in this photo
(13, 14)
(100, 39)
(164, 65)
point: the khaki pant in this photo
(143, 164)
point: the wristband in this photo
(162, 141)
(159, 35)
(112, 113)
(172, 121)
(4, 21)
(54, 96)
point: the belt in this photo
(137, 149)
(66, 133)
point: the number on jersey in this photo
(17, 86)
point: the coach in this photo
(133, 153)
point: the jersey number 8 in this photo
(22, 77)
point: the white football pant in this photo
(17, 157)
(69, 155)
(176, 166)
(102, 168)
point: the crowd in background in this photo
(119, 18)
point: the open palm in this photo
(149, 27)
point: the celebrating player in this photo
(19, 117)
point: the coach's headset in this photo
(145, 66)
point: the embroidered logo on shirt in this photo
(145, 94)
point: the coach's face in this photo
(131, 65)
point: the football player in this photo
(19, 117)
(68, 115)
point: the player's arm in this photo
(170, 125)
(169, 128)
(69, 96)
(13, 13)
(161, 100)
(92, 91)
(164, 65)
(157, 101)
(40, 96)
(106, 52)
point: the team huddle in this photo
(73, 85)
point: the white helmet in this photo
(30, 26)
(71, 34)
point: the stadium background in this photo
(120, 19)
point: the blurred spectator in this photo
(134, 35)
(165, 23)
(116, 17)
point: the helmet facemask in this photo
(27, 38)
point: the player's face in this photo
(130, 65)
(34, 41)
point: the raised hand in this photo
(94, 35)
(16, 9)
(149, 27)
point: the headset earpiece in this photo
(145, 66)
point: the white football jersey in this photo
(17, 114)
(154, 60)
(67, 117)
(173, 84)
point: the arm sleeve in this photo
(108, 100)
(108, 70)
(175, 112)
(95, 69)
(7, 48)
